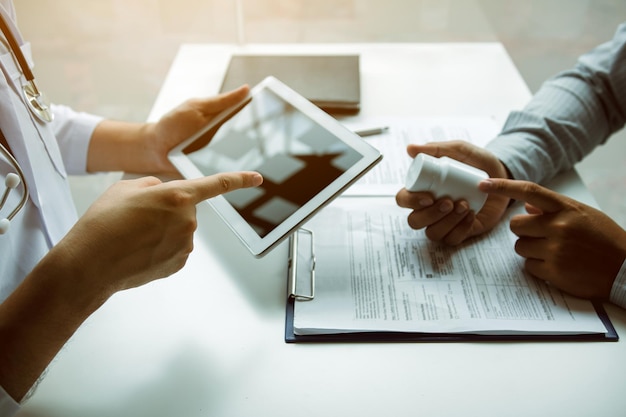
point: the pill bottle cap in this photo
(423, 172)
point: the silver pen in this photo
(372, 132)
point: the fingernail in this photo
(461, 208)
(485, 185)
(446, 206)
(426, 202)
(257, 179)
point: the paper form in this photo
(373, 272)
(388, 176)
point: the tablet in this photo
(306, 157)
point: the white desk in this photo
(209, 341)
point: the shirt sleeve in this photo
(8, 406)
(569, 116)
(73, 131)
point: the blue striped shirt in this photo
(569, 116)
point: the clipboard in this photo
(301, 288)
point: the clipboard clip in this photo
(301, 262)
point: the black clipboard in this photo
(298, 268)
(397, 337)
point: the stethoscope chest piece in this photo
(37, 102)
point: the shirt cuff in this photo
(8, 406)
(73, 131)
(618, 291)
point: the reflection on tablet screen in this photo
(297, 158)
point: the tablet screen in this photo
(297, 157)
(307, 158)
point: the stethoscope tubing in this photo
(20, 173)
(28, 74)
(35, 99)
(15, 48)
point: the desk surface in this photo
(209, 340)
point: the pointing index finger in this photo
(204, 188)
(540, 197)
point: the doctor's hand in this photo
(142, 148)
(182, 122)
(138, 231)
(452, 222)
(570, 245)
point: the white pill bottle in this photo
(447, 177)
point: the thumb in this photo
(215, 104)
(456, 149)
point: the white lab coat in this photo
(46, 153)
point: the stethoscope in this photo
(39, 107)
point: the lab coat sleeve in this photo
(73, 131)
(8, 406)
